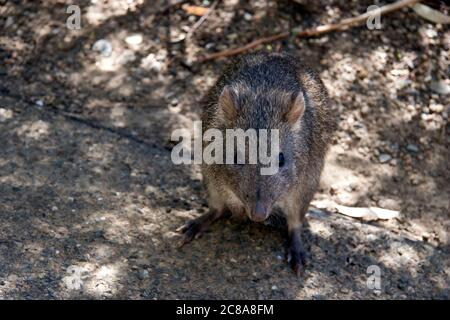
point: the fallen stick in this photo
(346, 23)
(202, 19)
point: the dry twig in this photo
(202, 19)
(344, 24)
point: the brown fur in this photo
(270, 91)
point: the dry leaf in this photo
(431, 14)
(323, 204)
(195, 10)
(371, 213)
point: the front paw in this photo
(190, 231)
(297, 257)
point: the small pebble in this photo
(134, 39)
(103, 46)
(436, 108)
(143, 274)
(412, 148)
(5, 114)
(365, 110)
(174, 102)
(384, 158)
(9, 22)
(440, 87)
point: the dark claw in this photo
(191, 230)
(297, 256)
(194, 229)
(297, 259)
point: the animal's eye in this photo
(281, 160)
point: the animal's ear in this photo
(228, 103)
(296, 109)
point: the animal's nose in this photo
(259, 213)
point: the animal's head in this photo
(259, 185)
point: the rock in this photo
(151, 62)
(9, 22)
(174, 102)
(440, 87)
(436, 107)
(103, 46)
(5, 114)
(384, 157)
(143, 274)
(134, 40)
(430, 33)
(248, 16)
(412, 148)
(365, 110)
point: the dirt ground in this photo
(89, 197)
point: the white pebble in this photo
(103, 46)
(134, 40)
(384, 158)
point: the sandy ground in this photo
(89, 197)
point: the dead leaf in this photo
(195, 10)
(371, 213)
(430, 14)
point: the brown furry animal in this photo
(268, 91)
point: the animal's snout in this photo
(260, 212)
